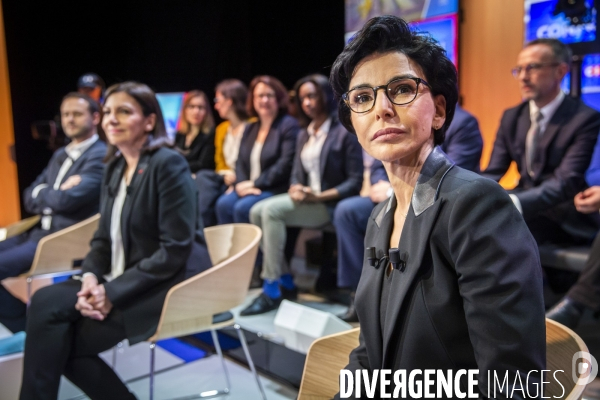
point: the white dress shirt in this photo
(74, 151)
(117, 252)
(231, 147)
(255, 161)
(311, 154)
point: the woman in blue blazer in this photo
(148, 228)
(328, 167)
(266, 152)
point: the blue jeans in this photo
(350, 219)
(233, 208)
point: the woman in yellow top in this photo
(230, 103)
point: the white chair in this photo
(18, 227)
(190, 305)
(54, 256)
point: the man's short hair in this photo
(93, 105)
(561, 52)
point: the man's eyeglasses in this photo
(516, 71)
(399, 91)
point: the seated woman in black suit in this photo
(148, 228)
(328, 167)
(451, 278)
(266, 152)
(196, 135)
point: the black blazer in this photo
(470, 296)
(276, 157)
(201, 153)
(72, 205)
(566, 147)
(159, 226)
(341, 163)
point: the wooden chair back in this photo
(561, 344)
(325, 358)
(57, 251)
(18, 227)
(190, 305)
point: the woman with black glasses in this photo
(451, 279)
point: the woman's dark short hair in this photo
(325, 93)
(237, 91)
(146, 98)
(280, 94)
(209, 121)
(391, 34)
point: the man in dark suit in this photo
(463, 144)
(66, 192)
(551, 137)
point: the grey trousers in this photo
(273, 215)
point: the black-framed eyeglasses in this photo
(399, 91)
(516, 71)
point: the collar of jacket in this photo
(426, 191)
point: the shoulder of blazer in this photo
(164, 158)
(284, 121)
(510, 115)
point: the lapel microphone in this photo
(397, 260)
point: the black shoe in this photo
(261, 305)
(567, 312)
(289, 294)
(350, 315)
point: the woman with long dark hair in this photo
(148, 228)
(230, 103)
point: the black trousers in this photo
(210, 187)
(60, 341)
(587, 289)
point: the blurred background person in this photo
(328, 167)
(196, 135)
(66, 192)
(92, 85)
(147, 229)
(230, 103)
(266, 151)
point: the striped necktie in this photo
(533, 137)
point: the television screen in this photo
(552, 19)
(444, 30)
(360, 11)
(170, 105)
(590, 80)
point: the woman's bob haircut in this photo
(387, 34)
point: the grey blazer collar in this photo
(426, 191)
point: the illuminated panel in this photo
(170, 105)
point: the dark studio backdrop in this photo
(172, 46)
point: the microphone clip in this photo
(396, 259)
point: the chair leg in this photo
(29, 281)
(152, 347)
(114, 354)
(220, 353)
(242, 337)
